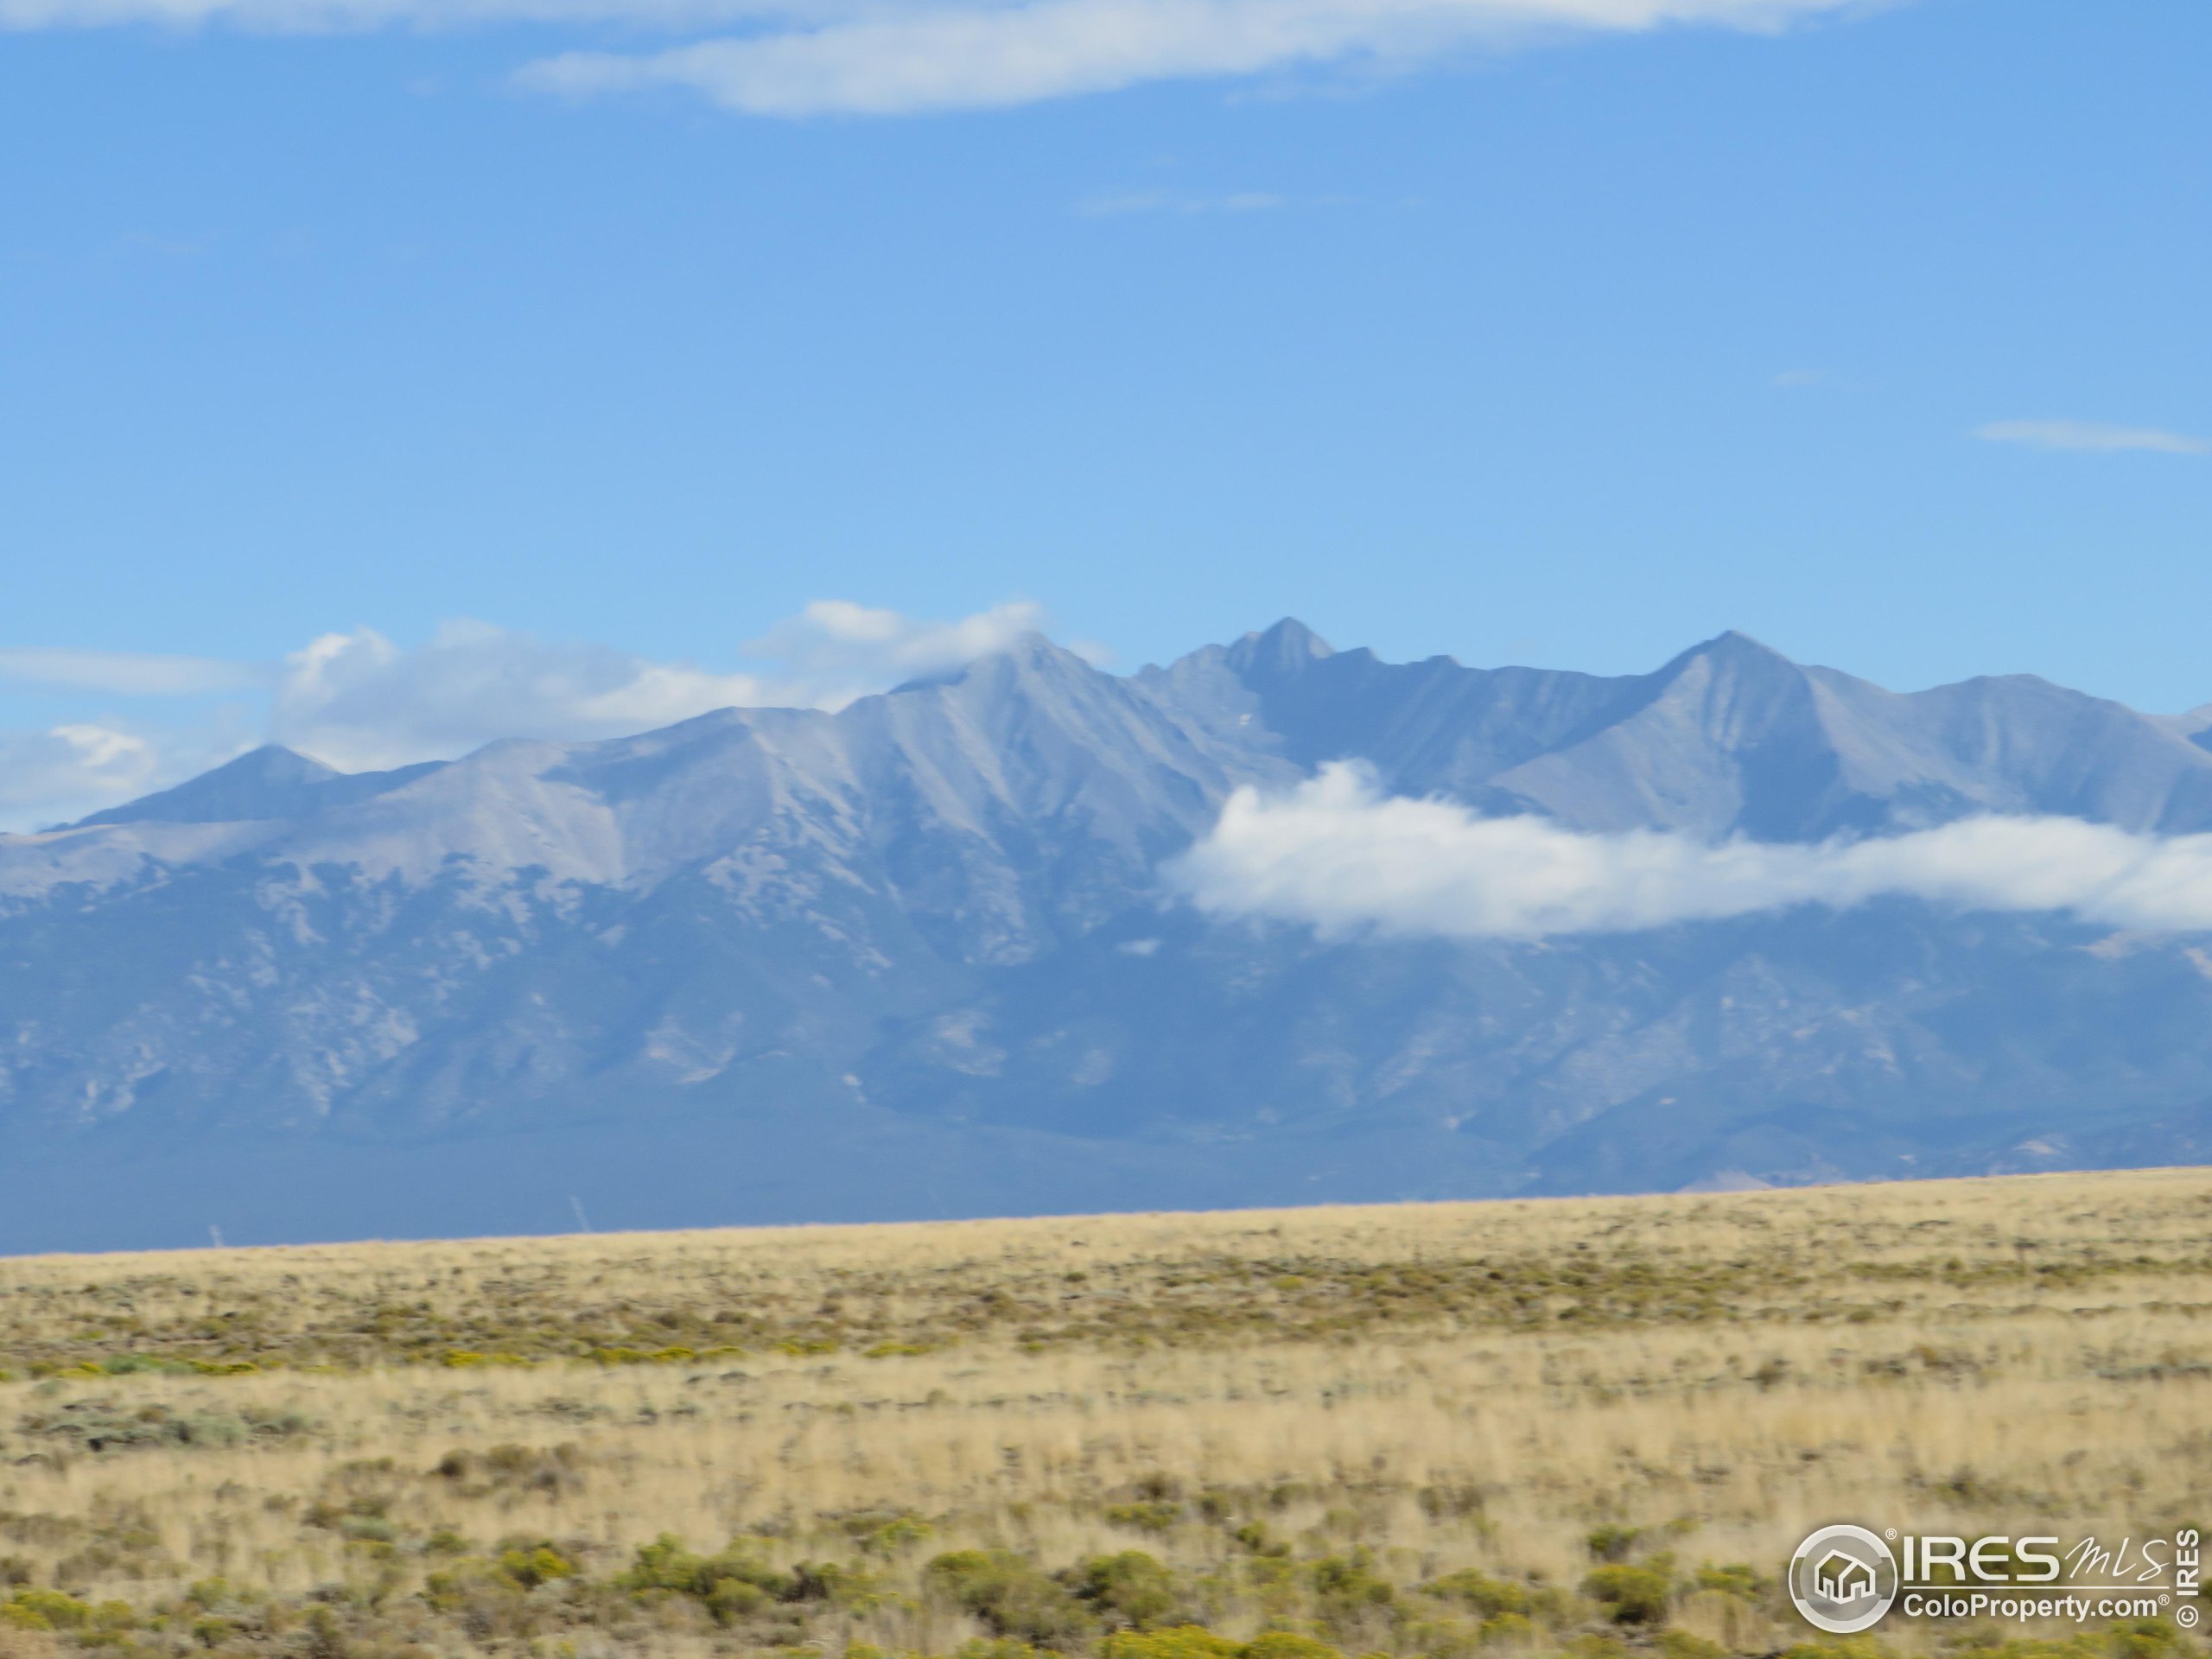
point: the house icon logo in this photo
(1843, 1579)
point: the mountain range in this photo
(918, 957)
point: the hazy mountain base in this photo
(679, 1167)
(1228, 1067)
(916, 959)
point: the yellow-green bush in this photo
(1630, 1595)
(1176, 1642)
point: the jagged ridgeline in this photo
(1576, 1429)
(917, 958)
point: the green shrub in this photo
(1290, 1644)
(666, 1565)
(532, 1566)
(1508, 1630)
(1736, 1579)
(1176, 1642)
(730, 1599)
(879, 1535)
(1145, 1518)
(46, 1609)
(1487, 1596)
(1256, 1537)
(1003, 1647)
(2145, 1639)
(1132, 1587)
(833, 1582)
(1610, 1543)
(1008, 1593)
(101, 1424)
(1837, 1647)
(1344, 1585)
(131, 1364)
(1632, 1595)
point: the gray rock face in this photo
(914, 958)
(270, 783)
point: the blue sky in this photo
(547, 368)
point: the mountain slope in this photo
(1729, 738)
(270, 783)
(914, 957)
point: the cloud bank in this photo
(1336, 854)
(982, 55)
(360, 702)
(2092, 437)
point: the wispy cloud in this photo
(2092, 437)
(983, 55)
(124, 673)
(49, 775)
(1820, 380)
(1337, 854)
(320, 16)
(810, 57)
(359, 700)
(1159, 201)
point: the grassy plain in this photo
(1578, 1428)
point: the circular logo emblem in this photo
(1843, 1579)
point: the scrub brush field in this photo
(1581, 1427)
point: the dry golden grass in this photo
(1402, 1392)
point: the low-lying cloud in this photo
(1338, 854)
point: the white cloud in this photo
(1335, 853)
(982, 55)
(2091, 436)
(125, 673)
(806, 57)
(358, 702)
(839, 651)
(65, 771)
